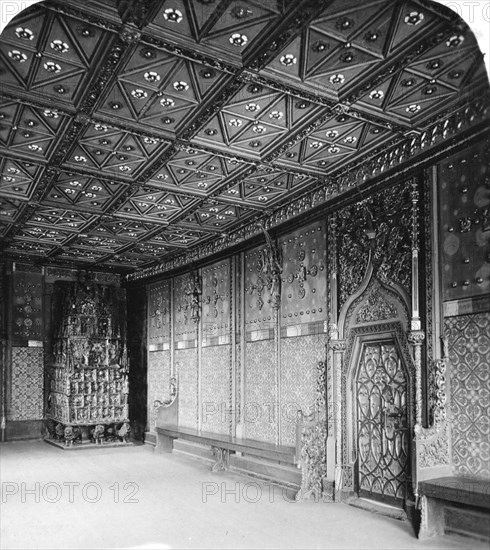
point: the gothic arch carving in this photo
(376, 312)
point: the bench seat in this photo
(223, 444)
(459, 505)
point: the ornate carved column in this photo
(415, 321)
(416, 335)
(416, 339)
(334, 452)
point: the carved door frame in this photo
(375, 311)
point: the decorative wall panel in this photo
(185, 361)
(216, 381)
(27, 384)
(159, 315)
(27, 307)
(303, 296)
(216, 304)
(238, 326)
(158, 382)
(260, 408)
(186, 310)
(469, 349)
(259, 317)
(298, 380)
(382, 222)
(464, 201)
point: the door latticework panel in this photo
(382, 435)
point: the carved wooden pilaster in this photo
(338, 348)
(311, 438)
(415, 322)
(416, 339)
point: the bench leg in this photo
(222, 459)
(431, 518)
(165, 444)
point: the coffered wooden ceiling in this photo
(134, 130)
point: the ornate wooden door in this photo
(382, 424)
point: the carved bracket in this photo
(193, 291)
(269, 267)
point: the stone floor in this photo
(133, 498)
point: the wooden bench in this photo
(222, 445)
(168, 430)
(459, 505)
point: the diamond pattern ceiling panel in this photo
(196, 171)
(18, 178)
(230, 28)
(49, 55)
(27, 248)
(28, 132)
(80, 192)
(61, 218)
(9, 209)
(132, 133)
(156, 206)
(256, 119)
(159, 90)
(174, 237)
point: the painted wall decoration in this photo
(304, 277)
(27, 307)
(381, 223)
(27, 384)
(187, 310)
(216, 381)
(260, 410)
(216, 300)
(469, 349)
(259, 312)
(159, 314)
(298, 380)
(186, 368)
(464, 202)
(158, 382)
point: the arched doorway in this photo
(381, 425)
